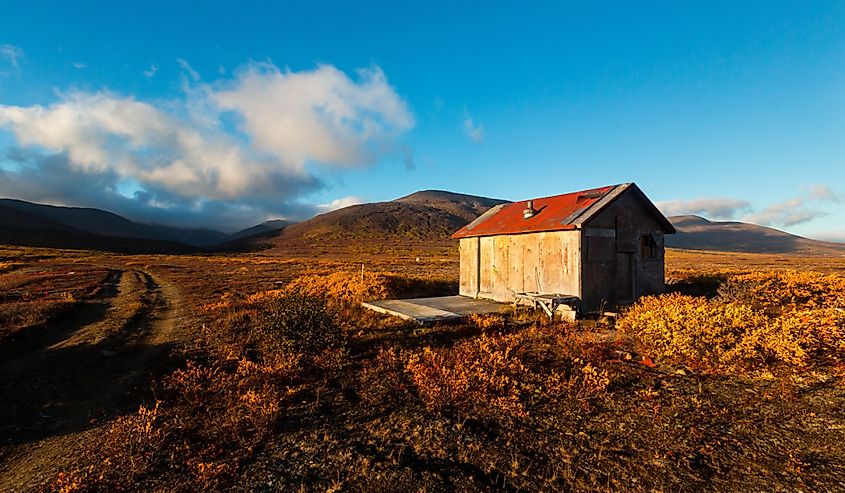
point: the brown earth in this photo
(62, 384)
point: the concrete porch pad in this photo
(429, 310)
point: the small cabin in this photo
(602, 247)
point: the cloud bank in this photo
(710, 207)
(790, 212)
(241, 148)
(833, 236)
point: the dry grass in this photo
(694, 396)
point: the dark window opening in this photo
(648, 246)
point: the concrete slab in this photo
(429, 310)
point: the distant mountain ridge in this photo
(428, 215)
(265, 227)
(698, 233)
(24, 228)
(103, 223)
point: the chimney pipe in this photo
(529, 210)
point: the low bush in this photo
(777, 292)
(487, 321)
(345, 287)
(348, 287)
(384, 379)
(500, 376)
(209, 422)
(298, 324)
(723, 336)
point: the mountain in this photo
(103, 223)
(20, 227)
(698, 233)
(430, 214)
(272, 225)
(467, 207)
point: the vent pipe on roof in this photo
(529, 210)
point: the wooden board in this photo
(430, 310)
(469, 266)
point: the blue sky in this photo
(728, 109)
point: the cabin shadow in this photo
(52, 391)
(77, 388)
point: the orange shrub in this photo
(384, 379)
(347, 287)
(352, 287)
(487, 321)
(479, 371)
(211, 420)
(494, 376)
(789, 290)
(718, 335)
(689, 329)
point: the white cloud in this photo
(181, 152)
(11, 55)
(796, 210)
(474, 131)
(151, 71)
(340, 203)
(787, 213)
(824, 193)
(102, 131)
(320, 115)
(718, 208)
(78, 65)
(188, 69)
(834, 236)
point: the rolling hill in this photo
(98, 222)
(19, 227)
(273, 225)
(698, 233)
(430, 214)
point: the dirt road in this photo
(61, 383)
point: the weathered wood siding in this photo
(547, 262)
(469, 267)
(614, 269)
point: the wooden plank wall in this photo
(611, 282)
(545, 262)
(469, 267)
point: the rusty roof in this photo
(556, 213)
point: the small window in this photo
(648, 246)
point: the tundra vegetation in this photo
(272, 378)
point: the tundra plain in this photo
(260, 372)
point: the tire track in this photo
(61, 393)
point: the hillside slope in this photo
(273, 225)
(22, 228)
(698, 233)
(430, 214)
(103, 223)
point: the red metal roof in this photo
(554, 213)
